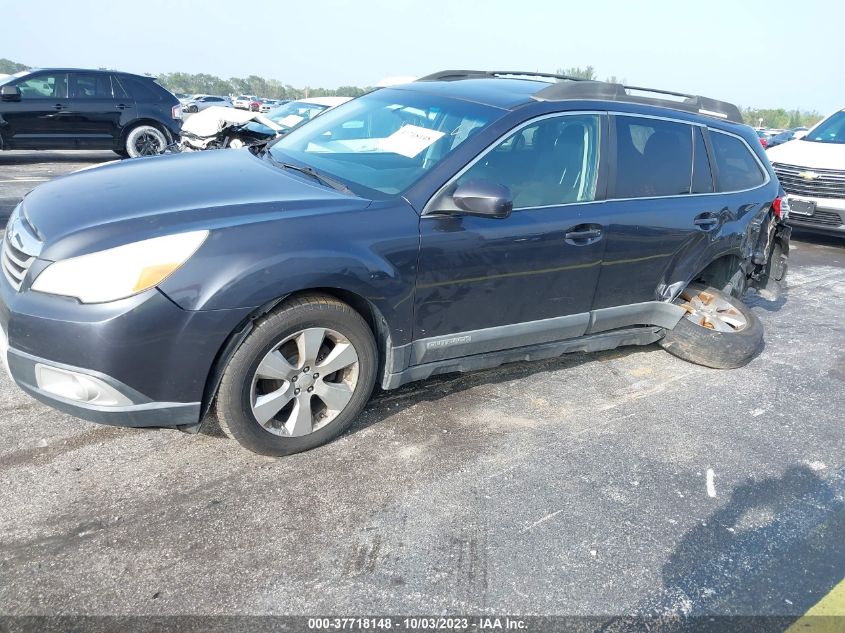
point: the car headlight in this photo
(119, 272)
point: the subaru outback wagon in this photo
(460, 222)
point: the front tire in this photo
(145, 140)
(300, 378)
(717, 331)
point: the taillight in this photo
(780, 207)
(176, 111)
(764, 142)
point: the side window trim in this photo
(601, 187)
(767, 178)
(701, 132)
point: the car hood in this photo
(146, 197)
(809, 154)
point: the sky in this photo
(753, 53)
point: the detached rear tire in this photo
(300, 378)
(718, 331)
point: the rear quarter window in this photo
(144, 89)
(738, 168)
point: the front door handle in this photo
(583, 234)
(59, 106)
(123, 106)
(706, 221)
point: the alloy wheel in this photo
(304, 382)
(148, 144)
(711, 311)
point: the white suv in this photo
(812, 172)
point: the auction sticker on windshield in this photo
(410, 140)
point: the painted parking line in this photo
(25, 180)
(826, 616)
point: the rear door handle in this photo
(123, 106)
(583, 235)
(59, 106)
(706, 221)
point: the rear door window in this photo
(653, 157)
(89, 86)
(737, 166)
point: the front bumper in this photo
(828, 216)
(141, 361)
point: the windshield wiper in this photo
(310, 171)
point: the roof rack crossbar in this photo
(568, 87)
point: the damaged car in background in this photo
(219, 128)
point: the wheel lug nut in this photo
(294, 378)
(306, 370)
(310, 389)
(296, 392)
(316, 375)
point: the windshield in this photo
(831, 130)
(385, 141)
(292, 114)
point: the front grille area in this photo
(827, 183)
(821, 218)
(15, 263)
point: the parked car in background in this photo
(288, 116)
(463, 221)
(270, 104)
(202, 102)
(786, 136)
(69, 108)
(243, 102)
(811, 170)
(220, 128)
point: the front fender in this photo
(371, 253)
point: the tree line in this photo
(202, 83)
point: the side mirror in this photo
(10, 93)
(483, 198)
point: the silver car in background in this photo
(206, 101)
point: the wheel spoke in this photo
(275, 367)
(268, 405)
(308, 343)
(335, 395)
(342, 356)
(300, 422)
(737, 321)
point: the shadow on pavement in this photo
(758, 563)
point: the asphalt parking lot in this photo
(614, 483)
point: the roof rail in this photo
(567, 87)
(453, 75)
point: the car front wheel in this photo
(718, 330)
(300, 378)
(145, 140)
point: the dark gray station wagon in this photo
(463, 221)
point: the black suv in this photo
(463, 221)
(66, 108)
